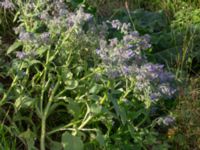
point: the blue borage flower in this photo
(57, 19)
(124, 57)
(122, 54)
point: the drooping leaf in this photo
(74, 108)
(13, 47)
(71, 142)
(120, 111)
(100, 138)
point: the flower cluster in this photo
(33, 38)
(23, 55)
(125, 57)
(61, 18)
(123, 27)
(125, 54)
(159, 81)
(7, 4)
(56, 18)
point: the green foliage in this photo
(7, 142)
(71, 142)
(55, 94)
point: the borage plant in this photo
(77, 85)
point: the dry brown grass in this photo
(188, 114)
(106, 8)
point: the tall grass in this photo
(188, 116)
(6, 143)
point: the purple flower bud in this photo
(26, 36)
(125, 70)
(113, 74)
(98, 51)
(88, 17)
(155, 96)
(45, 37)
(116, 24)
(63, 12)
(166, 90)
(166, 77)
(127, 55)
(144, 45)
(153, 110)
(134, 34)
(125, 27)
(147, 38)
(44, 15)
(21, 55)
(113, 42)
(168, 120)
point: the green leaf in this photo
(95, 89)
(29, 137)
(71, 84)
(65, 73)
(14, 46)
(23, 102)
(1, 88)
(29, 63)
(71, 142)
(100, 138)
(96, 109)
(120, 111)
(55, 105)
(41, 51)
(55, 145)
(74, 108)
(149, 22)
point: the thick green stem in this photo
(85, 122)
(43, 133)
(45, 115)
(45, 111)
